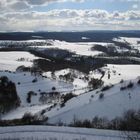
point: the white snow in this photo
(9, 60)
(62, 133)
(130, 40)
(114, 103)
(26, 85)
(117, 73)
(20, 111)
(78, 82)
(78, 47)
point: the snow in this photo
(86, 105)
(83, 106)
(20, 111)
(78, 82)
(61, 133)
(114, 103)
(130, 40)
(117, 73)
(26, 85)
(78, 47)
(9, 60)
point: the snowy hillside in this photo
(36, 92)
(114, 102)
(134, 42)
(84, 106)
(115, 73)
(89, 105)
(26, 85)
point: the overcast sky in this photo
(62, 15)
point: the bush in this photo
(34, 80)
(122, 81)
(106, 87)
(123, 88)
(130, 121)
(8, 95)
(53, 88)
(62, 104)
(66, 97)
(29, 95)
(138, 82)
(101, 96)
(130, 85)
(18, 83)
(95, 83)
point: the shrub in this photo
(18, 83)
(101, 96)
(138, 82)
(95, 83)
(53, 88)
(122, 81)
(29, 95)
(106, 87)
(34, 80)
(8, 95)
(62, 104)
(43, 112)
(66, 97)
(123, 88)
(130, 85)
(92, 96)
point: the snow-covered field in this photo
(134, 42)
(26, 85)
(117, 73)
(114, 103)
(61, 133)
(78, 81)
(84, 106)
(78, 48)
(9, 60)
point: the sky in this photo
(69, 15)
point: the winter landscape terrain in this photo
(69, 84)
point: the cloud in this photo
(20, 5)
(69, 19)
(135, 6)
(18, 15)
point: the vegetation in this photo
(8, 95)
(29, 95)
(101, 96)
(130, 85)
(95, 83)
(27, 119)
(130, 121)
(107, 87)
(138, 82)
(66, 97)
